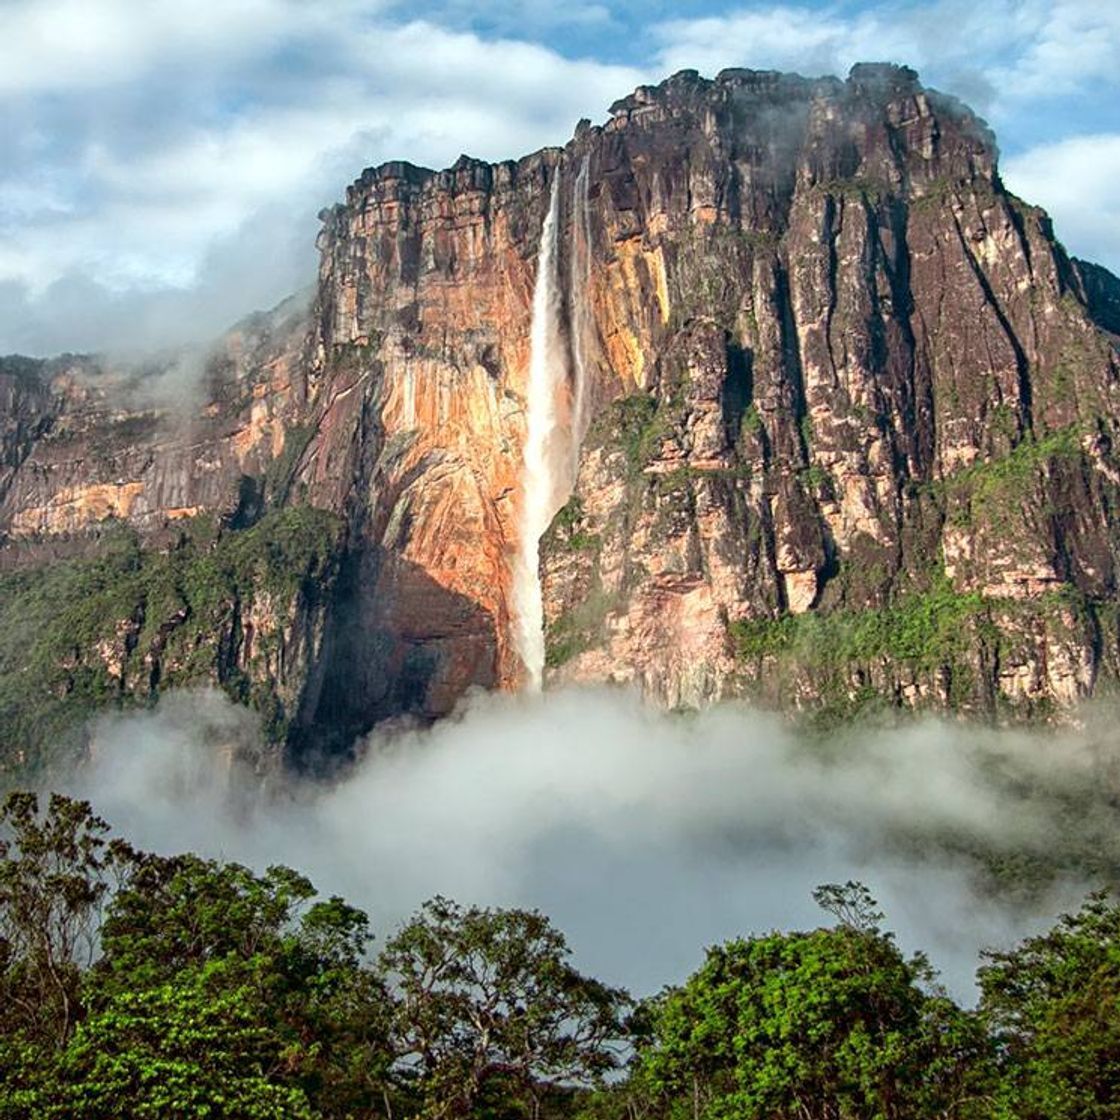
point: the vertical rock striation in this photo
(856, 410)
(840, 419)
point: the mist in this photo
(644, 835)
(78, 313)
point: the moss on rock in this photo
(118, 627)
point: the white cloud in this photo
(162, 206)
(800, 39)
(1066, 46)
(1075, 180)
(645, 835)
(214, 135)
(1025, 49)
(142, 141)
(53, 45)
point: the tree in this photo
(217, 991)
(184, 911)
(56, 869)
(262, 945)
(488, 1007)
(194, 1046)
(820, 1025)
(850, 904)
(1053, 1004)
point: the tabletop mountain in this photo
(841, 419)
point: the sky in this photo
(163, 162)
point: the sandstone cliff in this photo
(842, 418)
(873, 458)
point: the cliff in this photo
(837, 419)
(871, 460)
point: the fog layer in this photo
(644, 835)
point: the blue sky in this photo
(163, 161)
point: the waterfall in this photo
(409, 407)
(579, 290)
(546, 458)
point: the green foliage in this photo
(567, 529)
(989, 490)
(815, 477)
(751, 424)
(184, 911)
(166, 618)
(1053, 1004)
(1011, 474)
(850, 904)
(805, 425)
(579, 628)
(281, 471)
(922, 629)
(489, 1003)
(863, 189)
(636, 424)
(563, 642)
(27, 371)
(297, 964)
(936, 193)
(223, 993)
(188, 1048)
(356, 357)
(829, 1023)
(706, 277)
(217, 992)
(56, 868)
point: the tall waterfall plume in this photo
(547, 458)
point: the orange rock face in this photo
(425, 293)
(822, 366)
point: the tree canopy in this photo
(488, 999)
(137, 985)
(824, 1024)
(1053, 1005)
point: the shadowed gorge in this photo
(838, 418)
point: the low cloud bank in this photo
(645, 836)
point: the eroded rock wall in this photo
(422, 336)
(845, 416)
(874, 391)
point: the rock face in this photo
(421, 349)
(843, 419)
(871, 458)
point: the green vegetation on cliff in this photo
(635, 425)
(937, 638)
(992, 491)
(567, 531)
(922, 629)
(578, 629)
(120, 625)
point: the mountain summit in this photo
(832, 424)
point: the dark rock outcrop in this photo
(870, 458)
(852, 420)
